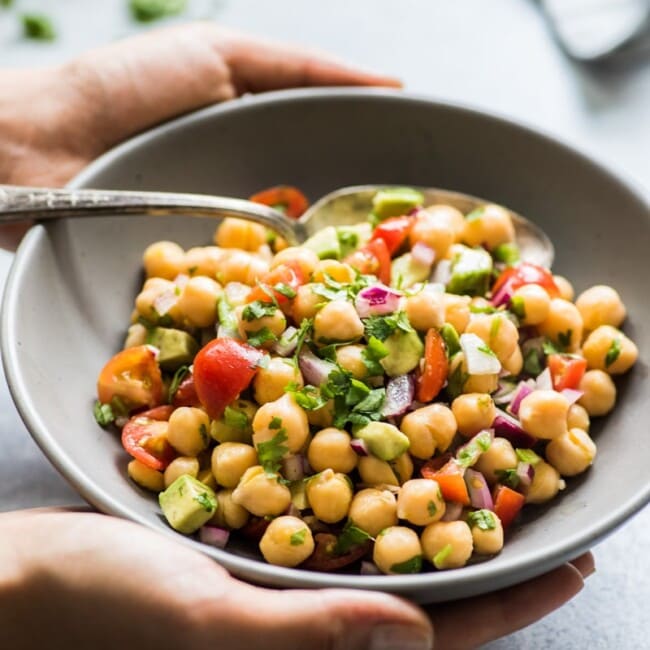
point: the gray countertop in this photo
(496, 55)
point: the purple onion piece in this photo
(287, 343)
(523, 389)
(453, 511)
(214, 536)
(292, 467)
(505, 392)
(314, 370)
(441, 273)
(359, 446)
(502, 296)
(470, 452)
(377, 300)
(508, 427)
(544, 380)
(479, 491)
(572, 395)
(399, 395)
(292, 511)
(525, 474)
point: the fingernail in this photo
(400, 637)
(589, 572)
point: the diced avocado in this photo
(450, 337)
(177, 348)
(353, 237)
(187, 504)
(471, 271)
(405, 271)
(395, 201)
(325, 243)
(404, 353)
(299, 495)
(385, 441)
(235, 424)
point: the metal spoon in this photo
(344, 206)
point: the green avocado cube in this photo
(405, 271)
(384, 440)
(353, 237)
(177, 348)
(325, 243)
(404, 353)
(471, 272)
(187, 504)
(395, 201)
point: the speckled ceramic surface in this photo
(72, 286)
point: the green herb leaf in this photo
(381, 327)
(260, 337)
(613, 352)
(475, 214)
(357, 392)
(308, 397)
(271, 452)
(470, 452)
(372, 354)
(298, 538)
(303, 332)
(483, 519)
(146, 11)
(564, 339)
(284, 290)
(494, 327)
(38, 27)
(441, 556)
(507, 253)
(548, 347)
(103, 414)
(349, 537)
(532, 362)
(177, 379)
(527, 456)
(235, 419)
(432, 508)
(508, 477)
(414, 565)
(206, 501)
(485, 350)
(456, 381)
(518, 307)
(275, 423)
(487, 309)
(258, 309)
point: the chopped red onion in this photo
(154, 350)
(181, 280)
(369, 569)
(525, 474)
(523, 389)
(544, 380)
(214, 536)
(479, 491)
(423, 254)
(164, 302)
(441, 273)
(505, 392)
(572, 395)
(469, 453)
(377, 301)
(292, 511)
(399, 395)
(508, 427)
(306, 467)
(502, 296)
(287, 342)
(453, 511)
(314, 370)
(359, 446)
(292, 467)
(236, 292)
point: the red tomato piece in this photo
(285, 198)
(394, 231)
(372, 259)
(526, 273)
(323, 558)
(436, 367)
(450, 479)
(507, 504)
(132, 375)
(286, 275)
(567, 370)
(144, 437)
(222, 370)
(185, 394)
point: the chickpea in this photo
(498, 332)
(337, 321)
(153, 289)
(453, 217)
(545, 484)
(373, 510)
(207, 478)
(136, 335)
(563, 325)
(322, 417)
(607, 348)
(163, 259)
(350, 358)
(397, 546)
(578, 418)
(600, 305)
(531, 303)
(426, 309)
(487, 532)
(306, 259)
(330, 448)
(499, 456)
(239, 233)
(145, 477)
(203, 260)
(447, 544)
(287, 542)
(329, 495)
(179, 466)
(228, 514)
(543, 413)
(275, 322)
(284, 414)
(429, 428)
(270, 382)
(260, 494)
(230, 460)
(457, 311)
(571, 453)
(188, 430)
(338, 271)
(420, 502)
(599, 392)
(306, 303)
(488, 226)
(198, 301)
(434, 230)
(402, 467)
(473, 412)
(514, 363)
(472, 383)
(240, 266)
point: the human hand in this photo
(101, 582)
(55, 121)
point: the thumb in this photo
(327, 619)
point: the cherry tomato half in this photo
(222, 370)
(144, 437)
(324, 559)
(567, 370)
(372, 259)
(274, 284)
(185, 394)
(394, 231)
(450, 478)
(436, 367)
(134, 376)
(507, 504)
(526, 273)
(285, 198)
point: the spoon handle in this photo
(19, 203)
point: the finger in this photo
(585, 564)
(259, 65)
(329, 619)
(469, 623)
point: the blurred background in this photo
(576, 69)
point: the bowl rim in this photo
(482, 576)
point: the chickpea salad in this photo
(384, 398)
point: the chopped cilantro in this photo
(564, 339)
(302, 334)
(206, 501)
(613, 352)
(527, 456)
(440, 557)
(260, 337)
(103, 414)
(482, 519)
(518, 307)
(486, 309)
(475, 214)
(177, 379)
(308, 398)
(548, 347)
(485, 350)
(328, 352)
(275, 423)
(205, 436)
(456, 381)
(494, 327)
(507, 253)
(348, 239)
(357, 392)
(38, 27)
(298, 538)
(284, 290)
(468, 454)
(258, 309)
(6, 3)
(146, 11)
(271, 452)
(350, 537)
(192, 270)
(432, 508)
(532, 362)
(235, 419)
(372, 354)
(414, 565)
(381, 327)
(508, 477)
